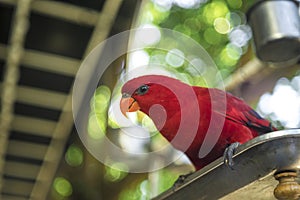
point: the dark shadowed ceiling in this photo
(42, 44)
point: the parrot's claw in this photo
(181, 179)
(228, 154)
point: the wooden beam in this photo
(11, 74)
(26, 149)
(17, 187)
(36, 60)
(32, 125)
(61, 10)
(32, 96)
(104, 24)
(65, 124)
(22, 170)
(54, 153)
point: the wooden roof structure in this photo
(42, 44)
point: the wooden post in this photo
(288, 187)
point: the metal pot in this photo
(276, 30)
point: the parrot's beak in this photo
(128, 104)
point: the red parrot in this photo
(173, 106)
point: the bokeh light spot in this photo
(187, 4)
(74, 156)
(230, 55)
(96, 126)
(101, 99)
(175, 58)
(214, 10)
(196, 66)
(240, 35)
(148, 34)
(234, 19)
(163, 4)
(62, 186)
(138, 59)
(222, 25)
(233, 51)
(283, 105)
(295, 83)
(116, 172)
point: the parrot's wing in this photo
(251, 119)
(239, 112)
(236, 109)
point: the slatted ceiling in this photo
(6, 14)
(47, 62)
(22, 170)
(54, 47)
(17, 178)
(39, 97)
(71, 39)
(45, 80)
(55, 63)
(62, 11)
(17, 187)
(33, 161)
(27, 183)
(34, 126)
(76, 14)
(36, 111)
(25, 137)
(42, 98)
(26, 149)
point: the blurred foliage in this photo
(211, 24)
(74, 156)
(98, 115)
(142, 189)
(208, 24)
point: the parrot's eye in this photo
(142, 90)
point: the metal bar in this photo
(255, 160)
(11, 74)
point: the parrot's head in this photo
(151, 91)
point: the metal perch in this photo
(256, 162)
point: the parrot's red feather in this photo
(238, 121)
